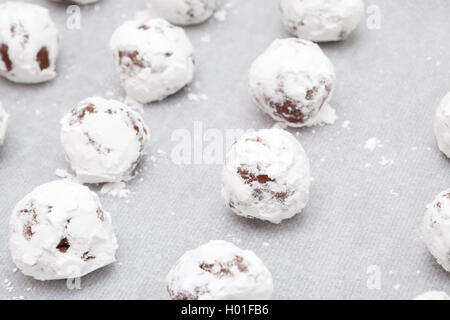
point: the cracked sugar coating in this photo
(292, 81)
(154, 59)
(321, 20)
(28, 43)
(104, 140)
(184, 12)
(433, 295)
(266, 176)
(436, 229)
(60, 231)
(218, 270)
(3, 123)
(442, 125)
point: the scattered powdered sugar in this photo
(395, 194)
(385, 162)
(116, 189)
(346, 124)
(326, 116)
(372, 143)
(206, 38)
(221, 14)
(161, 152)
(64, 174)
(233, 238)
(197, 97)
(8, 285)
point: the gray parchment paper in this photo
(366, 208)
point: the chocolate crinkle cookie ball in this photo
(184, 12)
(3, 124)
(28, 43)
(60, 231)
(219, 270)
(433, 295)
(154, 59)
(442, 125)
(104, 140)
(321, 20)
(436, 229)
(293, 82)
(266, 176)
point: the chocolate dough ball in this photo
(182, 12)
(219, 270)
(266, 176)
(436, 228)
(3, 123)
(60, 231)
(104, 140)
(154, 59)
(321, 20)
(442, 125)
(292, 81)
(28, 43)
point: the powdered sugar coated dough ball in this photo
(436, 229)
(219, 270)
(292, 81)
(184, 12)
(266, 176)
(104, 140)
(442, 125)
(154, 59)
(28, 43)
(321, 20)
(60, 231)
(3, 124)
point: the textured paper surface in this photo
(366, 207)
